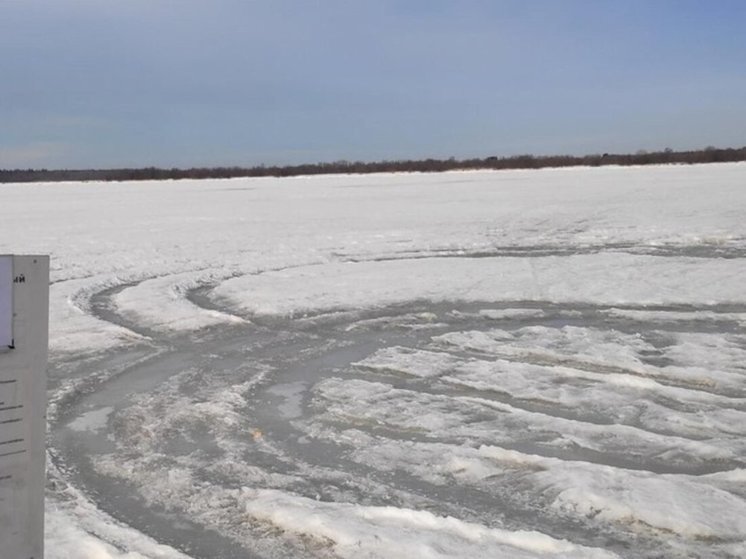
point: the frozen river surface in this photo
(517, 364)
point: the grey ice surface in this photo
(258, 405)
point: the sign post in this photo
(24, 323)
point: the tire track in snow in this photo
(309, 351)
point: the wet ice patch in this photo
(292, 395)
(94, 420)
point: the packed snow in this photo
(471, 364)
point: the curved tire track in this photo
(308, 351)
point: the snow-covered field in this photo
(516, 364)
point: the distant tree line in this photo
(707, 155)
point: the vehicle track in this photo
(278, 363)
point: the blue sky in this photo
(105, 83)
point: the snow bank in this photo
(359, 531)
(611, 279)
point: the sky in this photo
(113, 83)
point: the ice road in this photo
(521, 364)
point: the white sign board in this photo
(6, 301)
(23, 404)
